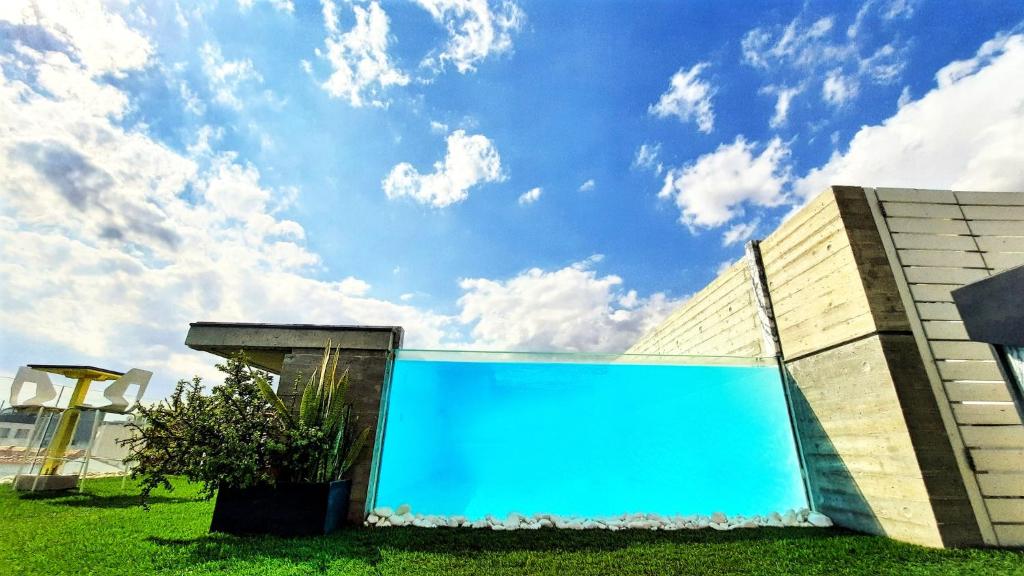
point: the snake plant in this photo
(320, 440)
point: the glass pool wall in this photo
(591, 436)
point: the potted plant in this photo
(273, 471)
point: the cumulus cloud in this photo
(476, 30)
(572, 309)
(688, 98)
(111, 242)
(966, 133)
(646, 158)
(361, 69)
(469, 161)
(226, 76)
(715, 188)
(530, 196)
(588, 185)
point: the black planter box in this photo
(286, 509)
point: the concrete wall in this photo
(368, 370)
(878, 459)
(720, 320)
(937, 241)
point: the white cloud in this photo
(438, 127)
(530, 196)
(588, 185)
(469, 161)
(360, 66)
(476, 30)
(967, 133)
(227, 76)
(688, 98)
(646, 158)
(111, 242)
(839, 89)
(959, 69)
(783, 98)
(279, 5)
(740, 232)
(904, 98)
(794, 45)
(899, 9)
(885, 65)
(571, 309)
(118, 50)
(714, 189)
(192, 102)
(812, 53)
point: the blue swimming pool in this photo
(591, 439)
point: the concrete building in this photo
(908, 428)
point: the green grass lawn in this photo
(103, 531)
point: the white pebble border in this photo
(403, 516)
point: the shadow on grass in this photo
(366, 544)
(90, 500)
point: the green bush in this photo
(241, 434)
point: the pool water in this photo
(587, 439)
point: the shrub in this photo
(241, 434)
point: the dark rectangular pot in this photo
(285, 509)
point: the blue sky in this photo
(505, 175)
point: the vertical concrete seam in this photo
(773, 346)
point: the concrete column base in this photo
(50, 483)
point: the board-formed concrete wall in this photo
(878, 458)
(720, 320)
(937, 241)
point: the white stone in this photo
(372, 519)
(819, 520)
(403, 509)
(383, 511)
(480, 524)
(460, 520)
(719, 518)
(401, 519)
(383, 523)
(790, 519)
